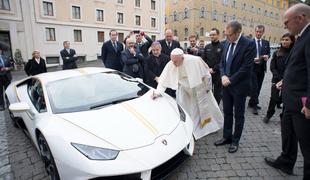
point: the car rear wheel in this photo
(47, 157)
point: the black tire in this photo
(47, 158)
(14, 120)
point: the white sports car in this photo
(94, 123)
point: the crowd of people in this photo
(201, 76)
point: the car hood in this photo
(131, 124)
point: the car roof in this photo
(64, 74)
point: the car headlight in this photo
(96, 153)
(182, 113)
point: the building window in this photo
(120, 18)
(153, 22)
(99, 15)
(100, 36)
(5, 5)
(186, 32)
(137, 3)
(121, 37)
(153, 4)
(225, 17)
(138, 20)
(233, 17)
(52, 60)
(175, 32)
(76, 12)
(47, 8)
(175, 16)
(77, 35)
(153, 37)
(225, 2)
(166, 20)
(234, 4)
(50, 34)
(120, 1)
(244, 6)
(202, 12)
(214, 15)
(244, 21)
(202, 31)
(186, 13)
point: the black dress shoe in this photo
(255, 111)
(266, 119)
(233, 148)
(273, 163)
(222, 142)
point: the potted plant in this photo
(18, 59)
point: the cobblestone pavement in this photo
(20, 160)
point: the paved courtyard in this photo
(20, 160)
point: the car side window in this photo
(36, 95)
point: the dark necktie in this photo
(169, 45)
(259, 48)
(1, 62)
(114, 45)
(229, 59)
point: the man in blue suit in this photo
(111, 52)
(235, 69)
(5, 74)
(260, 66)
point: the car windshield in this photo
(92, 91)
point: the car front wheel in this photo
(47, 157)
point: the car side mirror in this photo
(19, 107)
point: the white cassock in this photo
(192, 82)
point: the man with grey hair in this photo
(168, 44)
(295, 123)
(235, 70)
(190, 77)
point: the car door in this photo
(32, 94)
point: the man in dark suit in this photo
(111, 52)
(168, 44)
(143, 47)
(68, 56)
(295, 123)
(260, 66)
(235, 69)
(193, 49)
(155, 64)
(132, 60)
(5, 74)
(212, 56)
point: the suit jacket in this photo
(189, 51)
(69, 59)
(296, 80)
(144, 48)
(131, 63)
(110, 57)
(6, 74)
(154, 66)
(242, 62)
(33, 68)
(167, 50)
(262, 66)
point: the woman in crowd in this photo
(36, 65)
(277, 67)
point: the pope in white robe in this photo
(190, 77)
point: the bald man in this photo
(168, 44)
(190, 77)
(295, 123)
